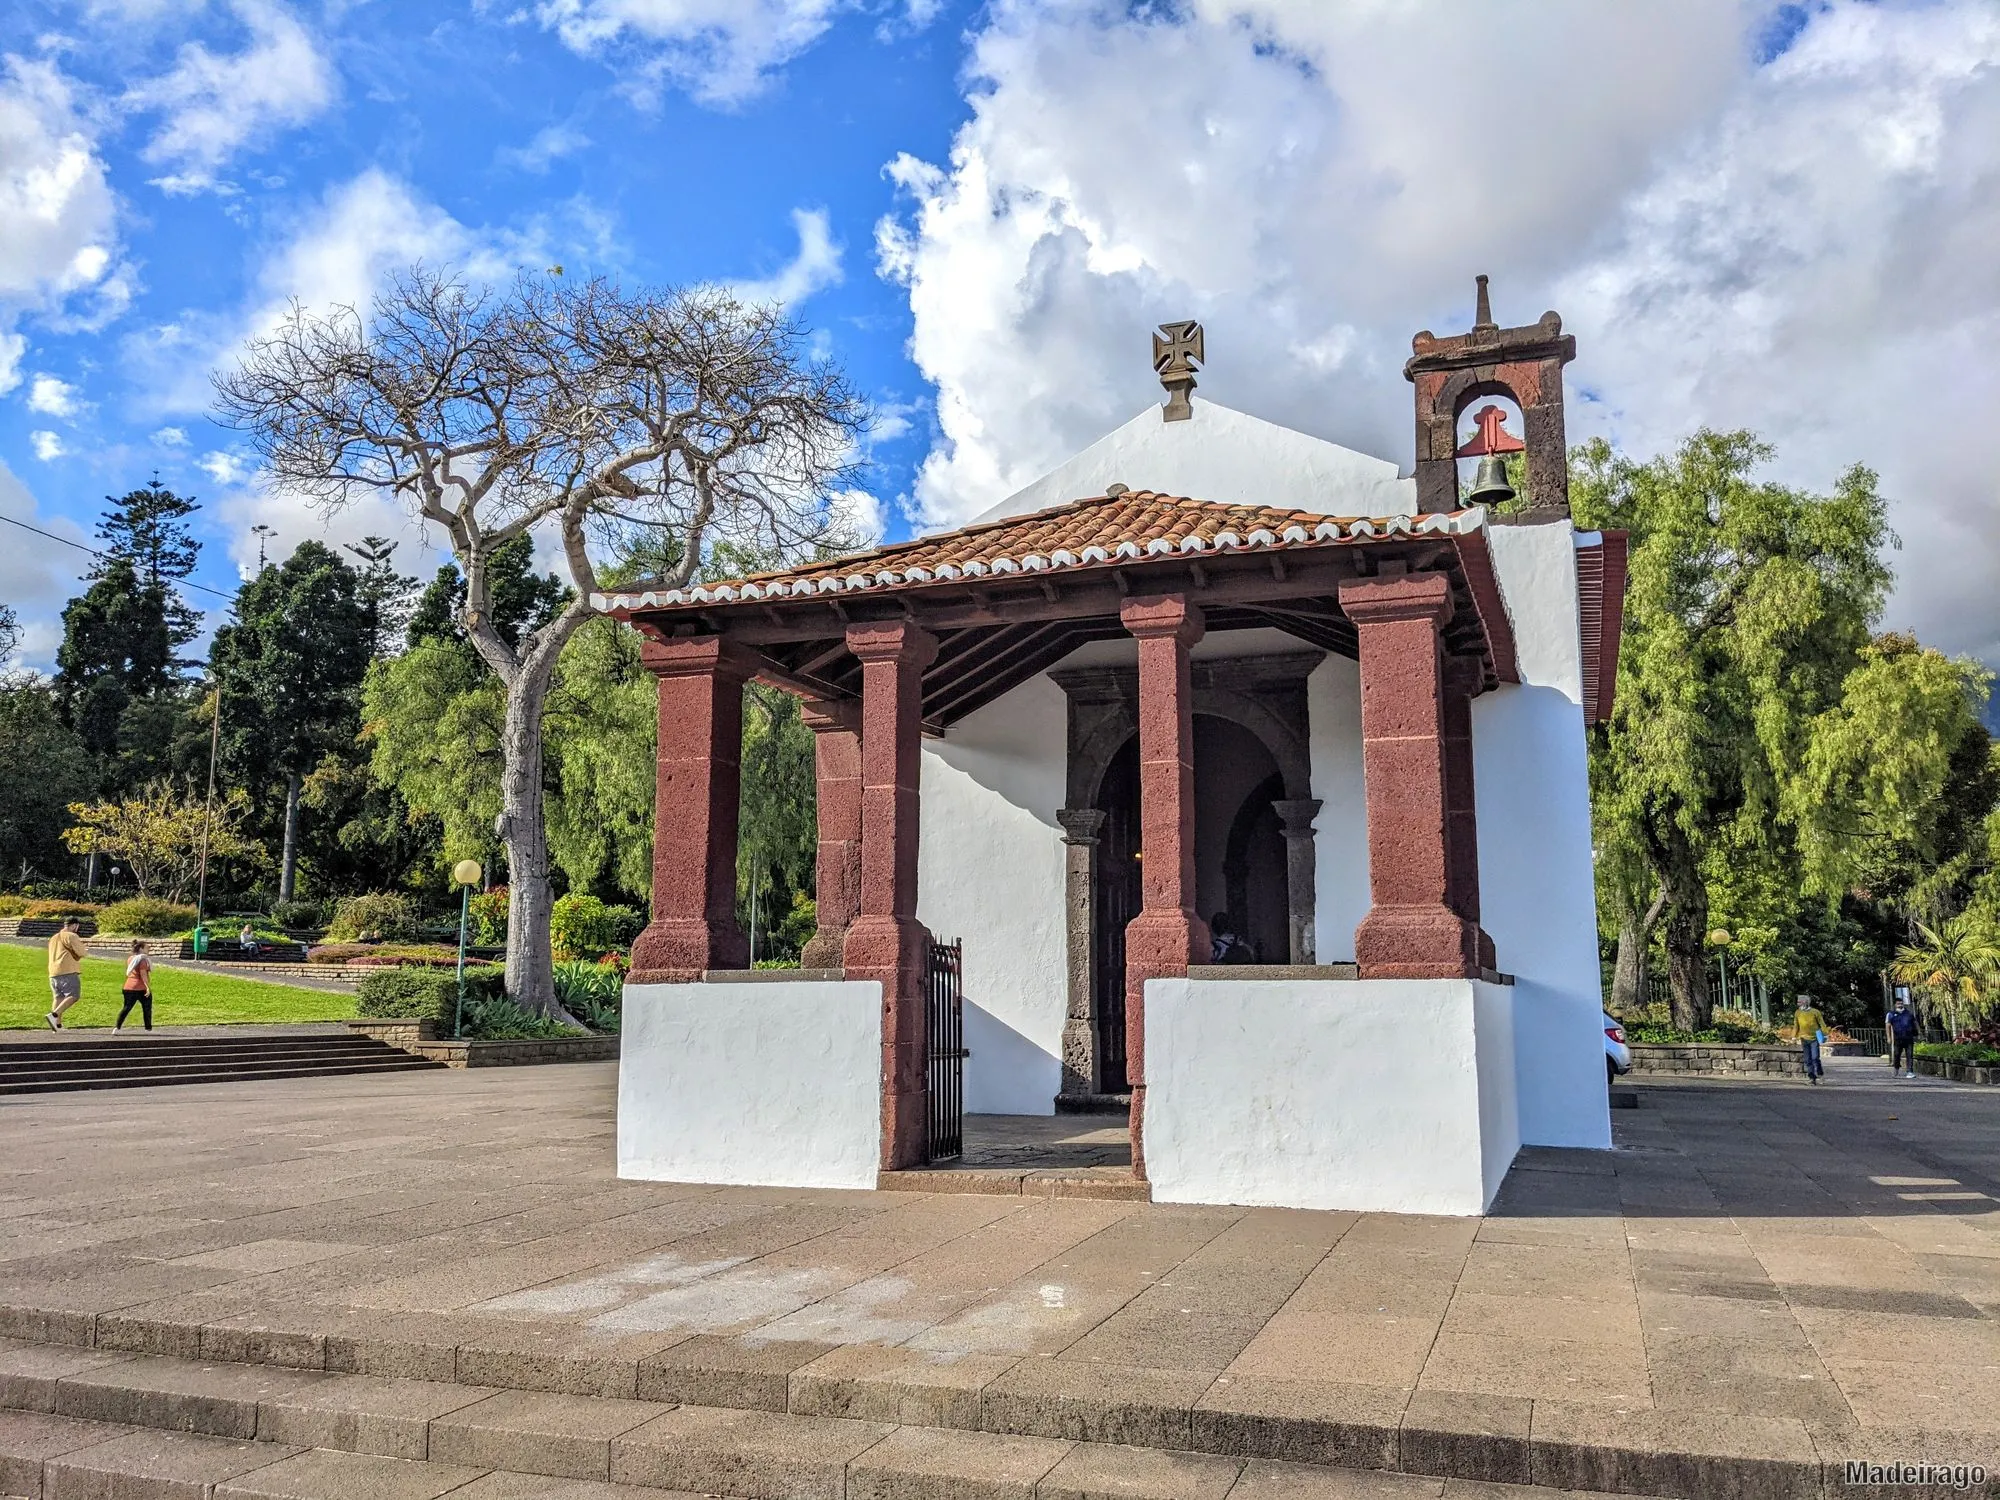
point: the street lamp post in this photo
(468, 874)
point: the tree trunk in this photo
(530, 972)
(288, 863)
(1687, 950)
(1628, 977)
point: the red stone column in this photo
(837, 874)
(695, 804)
(885, 942)
(1463, 677)
(1168, 934)
(1411, 930)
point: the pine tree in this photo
(386, 595)
(147, 527)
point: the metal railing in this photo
(944, 970)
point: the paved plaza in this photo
(1763, 1273)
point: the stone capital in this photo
(892, 640)
(1296, 814)
(694, 656)
(830, 715)
(1081, 825)
(1411, 596)
(1161, 617)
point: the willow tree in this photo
(576, 410)
(1749, 605)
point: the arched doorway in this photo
(1240, 865)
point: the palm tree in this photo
(1952, 967)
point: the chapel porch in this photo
(908, 641)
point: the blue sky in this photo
(1751, 214)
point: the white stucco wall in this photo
(1532, 780)
(1223, 455)
(1340, 841)
(1386, 1095)
(990, 872)
(773, 1084)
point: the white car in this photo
(1617, 1056)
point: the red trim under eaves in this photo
(1600, 591)
(1477, 560)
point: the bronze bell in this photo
(1489, 482)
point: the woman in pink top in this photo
(138, 987)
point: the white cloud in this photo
(548, 146)
(215, 104)
(860, 516)
(48, 446)
(1803, 246)
(814, 268)
(52, 397)
(37, 575)
(223, 467)
(171, 437)
(337, 254)
(58, 248)
(720, 51)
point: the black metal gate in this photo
(945, 1001)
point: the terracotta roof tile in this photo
(1083, 533)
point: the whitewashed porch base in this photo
(1382, 1096)
(762, 1084)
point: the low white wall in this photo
(1385, 1095)
(990, 872)
(1537, 899)
(771, 1084)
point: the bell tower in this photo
(1524, 364)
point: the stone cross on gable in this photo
(1178, 349)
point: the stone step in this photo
(683, 1452)
(895, 1423)
(142, 1063)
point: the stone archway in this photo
(1264, 696)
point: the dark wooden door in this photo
(1115, 899)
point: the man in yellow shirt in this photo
(66, 956)
(1811, 1026)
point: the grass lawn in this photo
(180, 997)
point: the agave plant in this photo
(591, 992)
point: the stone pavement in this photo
(1765, 1280)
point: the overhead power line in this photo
(202, 587)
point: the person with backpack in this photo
(1811, 1031)
(1903, 1039)
(138, 986)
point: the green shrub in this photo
(13, 906)
(142, 916)
(418, 994)
(487, 913)
(591, 992)
(584, 927)
(299, 916)
(379, 918)
(1976, 1053)
(47, 909)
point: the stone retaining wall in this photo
(1718, 1058)
(422, 1038)
(1932, 1067)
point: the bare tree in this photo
(578, 407)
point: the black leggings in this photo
(142, 999)
(1901, 1055)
